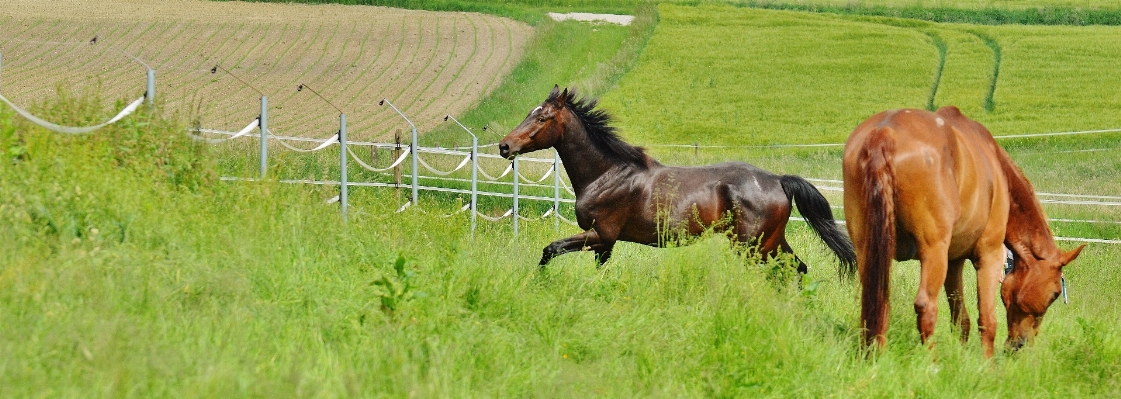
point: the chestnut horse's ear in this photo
(555, 92)
(1069, 256)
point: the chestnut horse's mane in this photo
(603, 136)
(1027, 229)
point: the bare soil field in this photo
(427, 63)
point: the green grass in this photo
(126, 270)
(1047, 12)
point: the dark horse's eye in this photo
(540, 120)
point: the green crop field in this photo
(127, 269)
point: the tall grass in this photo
(149, 284)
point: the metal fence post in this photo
(474, 171)
(515, 213)
(556, 190)
(474, 180)
(151, 93)
(264, 125)
(412, 147)
(342, 163)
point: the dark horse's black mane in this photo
(597, 125)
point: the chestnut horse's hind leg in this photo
(958, 315)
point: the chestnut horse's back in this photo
(933, 187)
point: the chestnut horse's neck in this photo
(1027, 233)
(585, 159)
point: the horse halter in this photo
(1008, 270)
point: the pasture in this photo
(128, 270)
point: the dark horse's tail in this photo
(878, 233)
(815, 209)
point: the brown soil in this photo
(427, 63)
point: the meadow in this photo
(127, 269)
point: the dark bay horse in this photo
(624, 194)
(936, 187)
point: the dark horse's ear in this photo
(556, 92)
(562, 98)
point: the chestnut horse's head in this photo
(542, 128)
(1029, 290)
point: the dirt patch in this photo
(427, 63)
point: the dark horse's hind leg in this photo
(588, 239)
(802, 268)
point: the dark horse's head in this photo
(542, 128)
(561, 115)
(1030, 289)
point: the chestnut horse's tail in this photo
(815, 209)
(879, 231)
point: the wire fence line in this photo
(414, 152)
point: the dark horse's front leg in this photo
(587, 240)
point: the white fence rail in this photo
(517, 179)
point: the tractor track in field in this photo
(428, 63)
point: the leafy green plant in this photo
(393, 290)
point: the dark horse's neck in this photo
(1027, 233)
(586, 158)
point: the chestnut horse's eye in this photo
(540, 119)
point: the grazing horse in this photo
(935, 186)
(624, 194)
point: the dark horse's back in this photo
(752, 203)
(754, 193)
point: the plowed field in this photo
(427, 63)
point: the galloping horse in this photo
(936, 187)
(624, 194)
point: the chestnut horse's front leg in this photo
(587, 240)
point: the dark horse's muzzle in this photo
(504, 151)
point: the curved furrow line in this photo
(441, 100)
(344, 68)
(472, 60)
(439, 96)
(328, 91)
(98, 55)
(27, 57)
(117, 76)
(311, 110)
(398, 69)
(410, 99)
(407, 96)
(201, 84)
(463, 69)
(988, 103)
(176, 44)
(13, 44)
(203, 61)
(164, 40)
(237, 106)
(383, 69)
(179, 65)
(940, 45)
(508, 53)
(371, 65)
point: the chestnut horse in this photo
(935, 186)
(624, 194)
